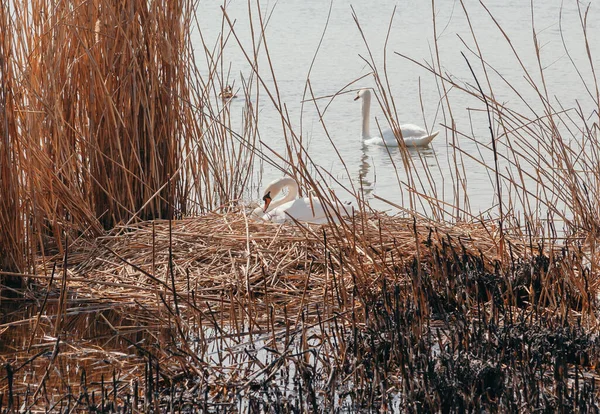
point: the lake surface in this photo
(294, 31)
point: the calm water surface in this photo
(293, 34)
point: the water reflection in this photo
(363, 173)
(426, 154)
(375, 155)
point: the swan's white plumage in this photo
(413, 135)
(309, 210)
(299, 209)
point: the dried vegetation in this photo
(133, 280)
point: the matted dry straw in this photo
(249, 270)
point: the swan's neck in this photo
(366, 112)
(292, 187)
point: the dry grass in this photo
(104, 123)
(112, 141)
(13, 250)
(229, 254)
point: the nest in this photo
(249, 270)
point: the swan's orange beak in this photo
(267, 200)
(357, 96)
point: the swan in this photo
(413, 135)
(309, 210)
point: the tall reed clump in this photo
(107, 83)
(103, 122)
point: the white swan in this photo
(413, 135)
(309, 210)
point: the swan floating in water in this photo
(413, 135)
(309, 210)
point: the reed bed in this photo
(104, 122)
(223, 311)
(133, 279)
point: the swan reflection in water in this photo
(363, 173)
(382, 157)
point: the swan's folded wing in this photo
(303, 210)
(412, 131)
(409, 132)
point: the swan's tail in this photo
(422, 142)
(431, 137)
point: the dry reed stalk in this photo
(13, 249)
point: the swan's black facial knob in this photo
(267, 200)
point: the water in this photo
(293, 34)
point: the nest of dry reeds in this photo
(233, 262)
